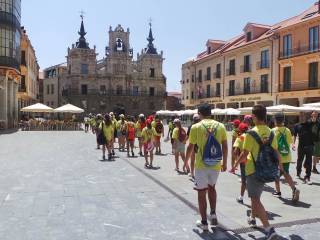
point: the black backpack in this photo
(267, 162)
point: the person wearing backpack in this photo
(130, 136)
(158, 126)
(148, 134)
(284, 139)
(210, 137)
(122, 132)
(238, 148)
(140, 125)
(180, 138)
(262, 166)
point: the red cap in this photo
(236, 122)
(243, 127)
(149, 121)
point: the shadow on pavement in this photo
(215, 234)
(8, 131)
(298, 204)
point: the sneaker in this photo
(271, 234)
(113, 153)
(308, 181)
(103, 157)
(213, 219)
(140, 153)
(295, 195)
(132, 153)
(252, 222)
(314, 170)
(240, 200)
(277, 194)
(202, 225)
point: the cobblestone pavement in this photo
(53, 186)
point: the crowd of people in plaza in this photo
(260, 154)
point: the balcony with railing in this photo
(245, 91)
(22, 88)
(263, 65)
(300, 50)
(111, 93)
(231, 71)
(245, 68)
(217, 75)
(299, 86)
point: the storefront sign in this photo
(243, 99)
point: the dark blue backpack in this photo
(267, 162)
(212, 154)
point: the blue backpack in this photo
(267, 162)
(212, 154)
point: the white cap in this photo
(177, 120)
(196, 116)
(141, 115)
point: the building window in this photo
(313, 75)
(52, 88)
(218, 90)
(23, 58)
(135, 90)
(208, 91)
(200, 75)
(264, 59)
(287, 78)
(218, 70)
(208, 77)
(264, 83)
(314, 38)
(232, 67)
(52, 103)
(119, 90)
(249, 36)
(247, 65)
(84, 68)
(192, 95)
(192, 78)
(84, 89)
(48, 89)
(152, 73)
(187, 80)
(151, 91)
(22, 87)
(209, 50)
(231, 87)
(246, 85)
(287, 45)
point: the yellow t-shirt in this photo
(121, 124)
(138, 129)
(198, 135)
(175, 134)
(154, 124)
(148, 134)
(251, 145)
(283, 130)
(239, 142)
(108, 131)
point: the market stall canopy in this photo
(316, 105)
(289, 109)
(69, 108)
(37, 108)
(245, 110)
(227, 111)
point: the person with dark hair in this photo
(158, 126)
(148, 134)
(114, 124)
(210, 137)
(122, 132)
(305, 148)
(170, 132)
(284, 139)
(130, 136)
(235, 126)
(107, 129)
(180, 137)
(97, 130)
(140, 125)
(250, 154)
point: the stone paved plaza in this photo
(53, 186)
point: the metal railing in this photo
(96, 92)
(263, 65)
(245, 68)
(299, 86)
(217, 75)
(250, 90)
(301, 50)
(230, 72)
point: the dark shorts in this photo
(254, 187)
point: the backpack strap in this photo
(213, 127)
(255, 136)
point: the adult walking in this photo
(180, 137)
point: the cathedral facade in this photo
(115, 83)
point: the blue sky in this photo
(181, 27)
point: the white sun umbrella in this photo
(288, 109)
(69, 108)
(216, 111)
(245, 110)
(232, 111)
(316, 105)
(37, 108)
(190, 111)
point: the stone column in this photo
(3, 100)
(9, 103)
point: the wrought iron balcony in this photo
(111, 93)
(217, 75)
(301, 50)
(263, 65)
(245, 91)
(231, 71)
(245, 68)
(299, 86)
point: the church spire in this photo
(82, 43)
(151, 49)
